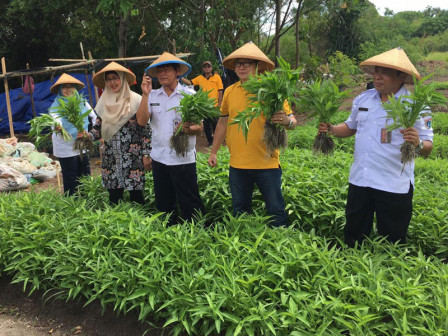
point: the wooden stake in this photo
(8, 102)
(87, 76)
(95, 89)
(28, 79)
(59, 179)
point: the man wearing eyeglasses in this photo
(249, 163)
(212, 82)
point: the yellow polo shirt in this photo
(250, 154)
(212, 84)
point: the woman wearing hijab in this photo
(73, 165)
(127, 145)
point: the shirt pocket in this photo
(361, 121)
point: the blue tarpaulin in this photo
(21, 109)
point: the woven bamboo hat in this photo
(66, 79)
(394, 59)
(100, 81)
(167, 58)
(249, 51)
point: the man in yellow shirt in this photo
(249, 164)
(208, 81)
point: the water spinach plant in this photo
(405, 111)
(70, 109)
(41, 127)
(323, 98)
(267, 94)
(193, 108)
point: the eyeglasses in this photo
(112, 79)
(206, 66)
(244, 64)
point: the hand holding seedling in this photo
(280, 118)
(411, 135)
(324, 127)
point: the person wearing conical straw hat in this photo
(73, 165)
(249, 164)
(175, 179)
(209, 81)
(126, 144)
(378, 183)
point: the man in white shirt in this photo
(175, 179)
(378, 182)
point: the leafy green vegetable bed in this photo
(240, 277)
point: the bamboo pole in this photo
(95, 90)
(46, 69)
(87, 76)
(8, 102)
(138, 58)
(31, 92)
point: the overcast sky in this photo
(405, 5)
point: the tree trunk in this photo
(299, 9)
(278, 16)
(123, 35)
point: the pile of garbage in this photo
(21, 164)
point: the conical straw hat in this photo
(100, 81)
(249, 51)
(394, 59)
(167, 58)
(66, 79)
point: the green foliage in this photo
(323, 98)
(440, 149)
(441, 85)
(267, 94)
(440, 123)
(196, 107)
(344, 69)
(241, 276)
(407, 109)
(41, 129)
(70, 109)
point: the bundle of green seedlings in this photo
(323, 99)
(41, 128)
(405, 111)
(267, 94)
(70, 109)
(193, 108)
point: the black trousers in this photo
(72, 169)
(209, 128)
(177, 185)
(393, 214)
(116, 195)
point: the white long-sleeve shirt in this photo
(378, 165)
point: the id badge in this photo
(386, 136)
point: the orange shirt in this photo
(250, 154)
(212, 84)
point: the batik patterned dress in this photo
(122, 161)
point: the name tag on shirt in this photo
(363, 109)
(154, 104)
(386, 136)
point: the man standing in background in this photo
(212, 82)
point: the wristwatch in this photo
(419, 147)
